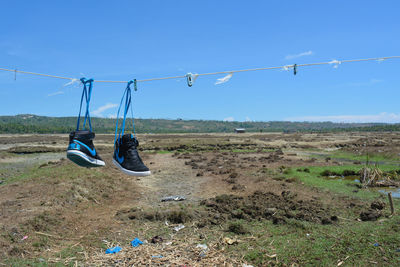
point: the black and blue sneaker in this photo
(81, 149)
(126, 156)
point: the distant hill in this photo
(27, 123)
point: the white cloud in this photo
(308, 53)
(381, 117)
(98, 112)
(12, 49)
(224, 79)
(248, 119)
(56, 93)
(229, 119)
(112, 116)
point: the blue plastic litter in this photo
(136, 242)
(398, 250)
(157, 256)
(376, 245)
(113, 250)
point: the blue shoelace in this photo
(128, 99)
(86, 92)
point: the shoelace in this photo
(86, 92)
(128, 99)
(133, 149)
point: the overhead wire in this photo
(37, 74)
(210, 73)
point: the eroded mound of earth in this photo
(225, 208)
(270, 206)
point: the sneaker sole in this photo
(84, 160)
(132, 173)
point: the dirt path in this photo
(169, 177)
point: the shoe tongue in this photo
(84, 134)
(129, 138)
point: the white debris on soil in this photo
(179, 227)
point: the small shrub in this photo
(370, 176)
(281, 168)
(349, 173)
(291, 180)
(307, 170)
(287, 171)
(222, 198)
(279, 178)
(43, 242)
(233, 175)
(43, 222)
(237, 228)
(180, 216)
(255, 257)
(329, 173)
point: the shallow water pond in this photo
(395, 191)
(384, 190)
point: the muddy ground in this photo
(54, 212)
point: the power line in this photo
(38, 74)
(334, 62)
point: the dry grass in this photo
(172, 253)
(373, 176)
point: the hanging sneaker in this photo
(81, 149)
(126, 156)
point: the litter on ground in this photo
(173, 198)
(113, 250)
(136, 242)
(179, 227)
(202, 246)
(157, 239)
(157, 256)
(230, 241)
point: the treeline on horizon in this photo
(28, 123)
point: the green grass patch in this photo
(373, 157)
(40, 262)
(244, 150)
(6, 154)
(311, 244)
(66, 253)
(43, 242)
(56, 173)
(71, 252)
(314, 178)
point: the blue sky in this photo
(123, 40)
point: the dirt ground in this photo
(56, 212)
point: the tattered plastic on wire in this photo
(72, 82)
(288, 67)
(224, 79)
(335, 63)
